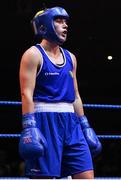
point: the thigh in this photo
(76, 155)
(48, 165)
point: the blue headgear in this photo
(43, 23)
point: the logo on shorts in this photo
(35, 170)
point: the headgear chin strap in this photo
(43, 23)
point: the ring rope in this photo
(108, 106)
(85, 105)
(100, 136)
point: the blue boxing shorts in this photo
(68, 152)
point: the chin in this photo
(63, 39)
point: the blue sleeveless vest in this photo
(54, 83)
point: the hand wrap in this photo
(32, 143)
(90, 136)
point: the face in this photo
(61, 28)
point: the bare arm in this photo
(32, 144)
(28, 69)
(78, 106)
(90, 136)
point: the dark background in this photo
(94, 33)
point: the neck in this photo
(50, 46)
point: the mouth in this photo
(64, 33)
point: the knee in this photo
(84, 175)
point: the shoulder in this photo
(73, 57)
(31, 55)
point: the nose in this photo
(65, 25)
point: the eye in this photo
(61, 21)
(58, 20)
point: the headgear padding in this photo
(43, 23)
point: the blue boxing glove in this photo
(90, 136)
(32, 143)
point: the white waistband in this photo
(53, 107)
